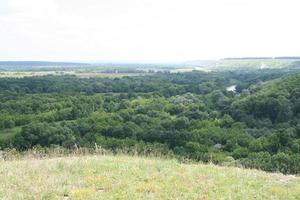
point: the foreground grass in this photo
(126, 177)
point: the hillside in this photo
(190, 115)
(38, 65)
(254, 63)
(276, 100)
(284, 84)
(124, 177)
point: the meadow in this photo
(136, 177)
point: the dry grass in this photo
(132, 177)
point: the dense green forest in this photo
(189, 115)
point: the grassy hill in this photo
(125, 177)
(250, 64)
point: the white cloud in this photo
(147, 29)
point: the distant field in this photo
(125, 177)
(252, 64)
(188, 69)
(108, 75)
(20, 74)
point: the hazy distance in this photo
(147, 30)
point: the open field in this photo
(126, 177)
(22, 74)
(229, 64)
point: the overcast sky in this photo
(147, 30)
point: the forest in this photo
(190, 115)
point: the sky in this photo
(147, 30)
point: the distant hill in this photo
(264, 58)
(255, 63)
(96, 66)
(35, 65)
(246, 63)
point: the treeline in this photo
(189, 114)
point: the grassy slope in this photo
(123, 177)
(252, 64)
